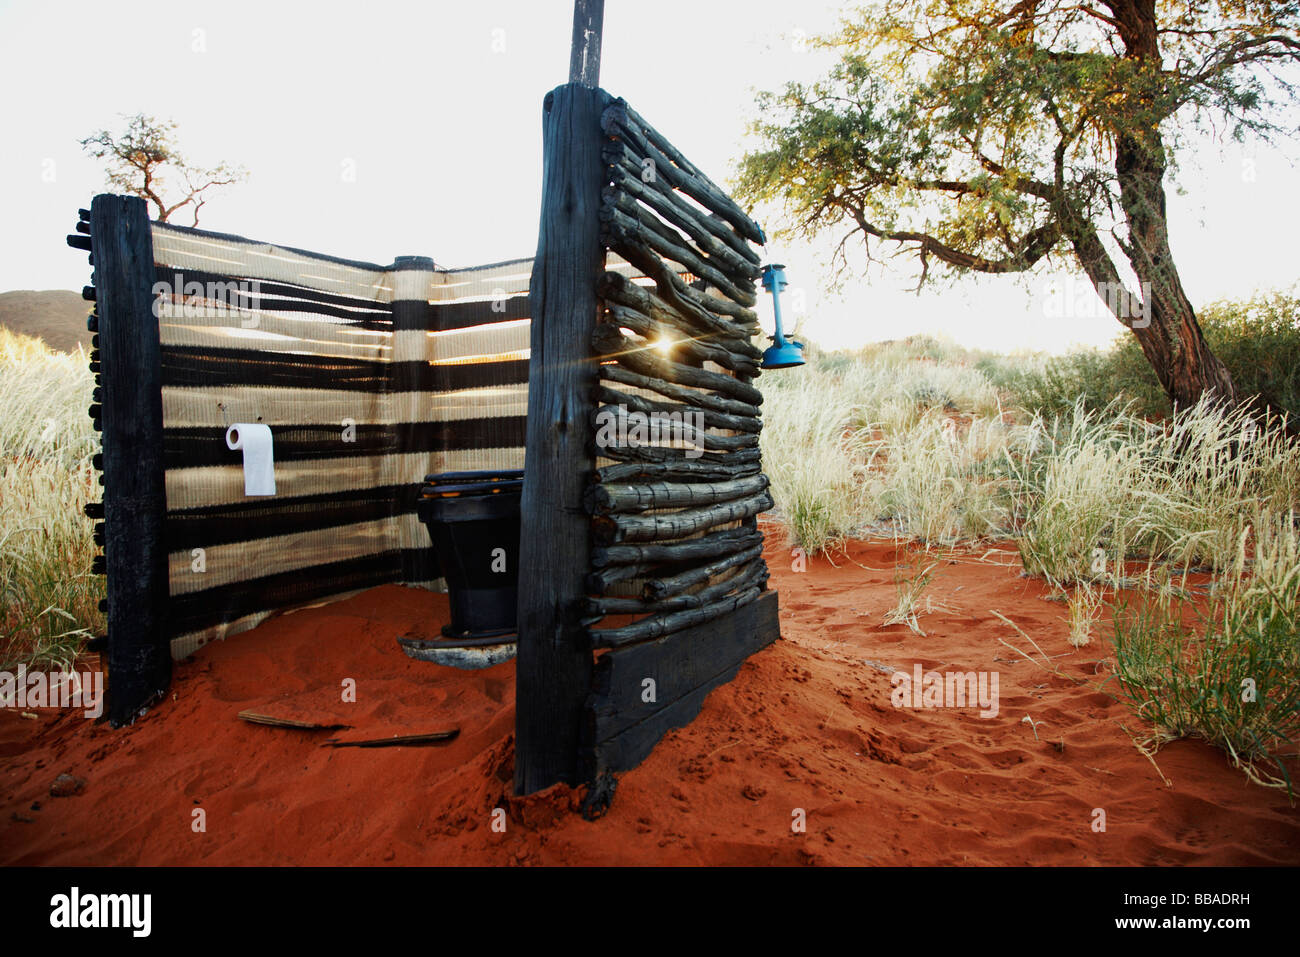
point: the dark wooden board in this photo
(621, 729)
(135, 497)
(553, 668)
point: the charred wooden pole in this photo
(584, 53)
(554, 664)
(135, 496)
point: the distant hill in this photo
(55, 315)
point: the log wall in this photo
(675, 596)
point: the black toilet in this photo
(473, 519)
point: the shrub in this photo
(1228, 673)
(1258, 339)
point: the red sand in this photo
(808, 724)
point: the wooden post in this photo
(553, 670)
(584, 53)
(135, 496)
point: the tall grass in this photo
(1180, 491)
(889, 442)
(886, 441)
(48, 596)
(1075, 496)
(1227, 672)
(822, 480)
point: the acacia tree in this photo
(990, 138)
(144, 161)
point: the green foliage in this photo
(1258, 339)
(991, 138)
(1052, 386)
(985, 134)
(1227, 671)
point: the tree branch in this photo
(1033, 246)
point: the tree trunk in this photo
(1166, 327)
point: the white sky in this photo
(436, 107)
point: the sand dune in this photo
(808, 726)
(56, 315)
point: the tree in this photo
(990, 138)
(144, 161)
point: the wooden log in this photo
(726, 542)
(660, 455)
(553, 669)
(698, 440)
(397, 741)
(615, 529)
(674, 584)
(695, 303)
(674, 289)
(711, 419)
(703, 300)
(612, 372)
(621, 229)
(622, 499)
(744, 223)
(656, 626)
(651, 317)
(649, 142)
(628, 420)
(135, 496)
(615, 287)
(623, 415)
(755, 574)
(619, 196)
(624, 724)
(602, 579)
(609, 341)
(688, 470)
(628, 173)
(634, 197)
(698, 351)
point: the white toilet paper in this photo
(259, 458)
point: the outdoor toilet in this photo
(473, 520)
(645, 553)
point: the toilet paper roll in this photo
(254, 440)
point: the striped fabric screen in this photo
(369, 378)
